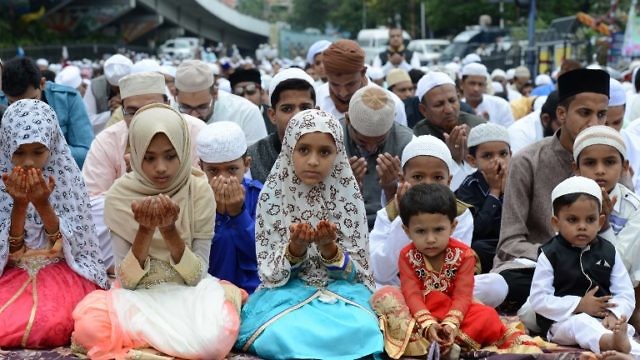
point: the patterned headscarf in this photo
(33, 121)
(285, 200)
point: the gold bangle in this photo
(16, 240)
(292, 258)
(337, 258)
(53, 238)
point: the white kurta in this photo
(497, 108)
(581, 329)
(414, 63)
(631, 136)
(247, 115)
(324, 101)
(525, 131)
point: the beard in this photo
(547, 129)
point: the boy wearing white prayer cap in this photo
(290, 91)
(222, 150)
(581, 292)
(493, 108)
(374, 142)
(426, 159)
(488, 151)
(600, 154)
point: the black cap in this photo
(581, 81)
(550, 105)
(242, 75)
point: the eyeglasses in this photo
(128, 113)
(249, 89)
(202, 109)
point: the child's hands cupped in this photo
(302, 234)
(144, 212)
(167, 211)
(39, 189)
(218, 192)
(326, 233)
(233, 196)
(16, 185)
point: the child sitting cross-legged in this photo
(581, 292)
(436, 282)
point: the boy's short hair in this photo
(428, 199)
(292, 84)
(18, 74)
(567, 200)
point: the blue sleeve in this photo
(79, 132)
(242, 229)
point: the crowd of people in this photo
(330, 211)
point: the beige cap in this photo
(193, 75)
(141, 84)
(396, 76)
(372, 111)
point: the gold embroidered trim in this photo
(292, 258)
(15, 297)
(466, 339)
(32, 316)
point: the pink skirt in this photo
(35, 311)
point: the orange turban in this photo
(343, 57)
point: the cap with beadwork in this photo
(599, 135)
(431, 80)
(193, 76)
(396, 76)
(141, 84)
(427, 145)
(221, 142)
(577, 185)
(372, 111)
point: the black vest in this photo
(384, 56)
(577, 270)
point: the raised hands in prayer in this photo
(229, 194)
(155, 212)
(456, 141)
(303, 235)
(359, 168)
(496, 177)
(28, 186)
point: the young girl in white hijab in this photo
(312, 250)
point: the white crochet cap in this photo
(317, 47)
(474, 69)
(430, 80)
(287, 74)
(372, 111)
(69, 76)
(193, 76)
(375, 73)
(141, 84)
(510, 74)
(497, 87)
(42, 62)
(577, 185)
(498, 73)
(617, 94)
(486, 132)
(146, 65)
(543, 79)
(168, 70)
(599, 135)
(221, 142)
(427, 145)
(471, 58)
(224, 85)
(116, 67)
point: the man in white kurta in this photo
(493, 108)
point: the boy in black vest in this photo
(581, 291)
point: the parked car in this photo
(375, 41)
(180, 48)
(481, 41)
(428, 50)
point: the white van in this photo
(375, 41)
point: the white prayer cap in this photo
(577, 185)
(543, 79)
(486, 132)
(498, 73)
(471, 58)
(42, 62)
(193, 75)
(475, 69)
(224, 85)
(317, 47)
(287, 74)
(116, 67)
(453, 67)
(215, 69)
(522, 71)
(497, 87)
(617, 93)
(396, 76)
(141, 84)
(221, 142)
(168, 70)
(372, 111)
(599, 135)
(375, 73)
(431, 80)
(539, 102)
(510, 74)
(427, 145)
(69, 76)
(146, 65)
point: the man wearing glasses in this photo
(197, 96)
(248, 84)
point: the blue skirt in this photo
(300, 321)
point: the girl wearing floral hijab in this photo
(49, 254)
(161, 216)
(312, 250)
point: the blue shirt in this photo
(233, 251)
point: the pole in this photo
(364, 14)
(531, 58)
(501, 15)
(423, 26)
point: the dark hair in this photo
(429, 199)
(550, 105)
(566, 102)
(48, 75)
(18, 74)
(567, 200)
(636, 81)
(291, 84)
(415, 75)
(472, 150)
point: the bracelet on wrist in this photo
(292, 258)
